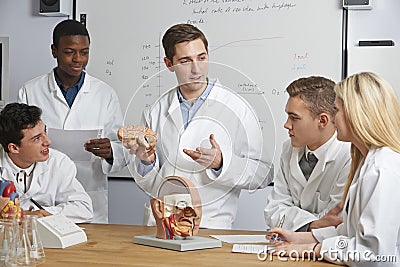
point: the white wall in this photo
(30, 37)
(379, 23)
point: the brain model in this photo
(132, 134)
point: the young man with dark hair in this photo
(38, 172)
(314, 165)
(73, 100)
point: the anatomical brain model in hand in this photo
(132, 134)
(176, 209)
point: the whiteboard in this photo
(256, 47)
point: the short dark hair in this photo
(14, 118)
(316, 92)
(180, 33)
(68, 27)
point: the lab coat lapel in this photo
(37, 178)
(85, 89)
(6, 171)
(73, 119)
(330, 155)
(4, 167)
(174, 109)
(54, 89)
(295, 171)
(3, 160)
(317, 176)
(315, 179)
(353, 211)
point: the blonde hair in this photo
(373, 114)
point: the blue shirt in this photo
(189, 110)
(70, 93)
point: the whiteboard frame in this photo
(5, 61)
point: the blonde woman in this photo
(368, 116)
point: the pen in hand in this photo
(275, 236)
(37, 204)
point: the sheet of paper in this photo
(250, 248)
(241, 239)
(71, 142)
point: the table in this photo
(111, 245)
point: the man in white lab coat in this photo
(206, 133)
(73, 100)
(304, 197)
(38, 172)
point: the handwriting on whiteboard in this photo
(300, 61)
(204, 8)
(109, 66)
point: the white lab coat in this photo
(303, 201)
(96, 106)
(54, 186)
(236, 129)
(371, 218)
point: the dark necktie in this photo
(21, 179)
(307, 165)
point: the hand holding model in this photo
(140, 140)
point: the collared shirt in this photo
(22, 176)
(189, 109)
(320, 151)
(70, 93)
(307, 151)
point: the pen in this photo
(99, 133)
(275, 236)
(280, 224)
(37, 204)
